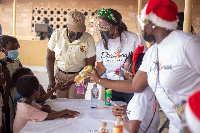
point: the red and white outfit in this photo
(179, 64)
(179, 73)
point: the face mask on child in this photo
(13, 54)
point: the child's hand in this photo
(57, 86)
(118, 111)
(66, 116)
(72, 113)
(117, 71)
(46, 106)
(66, 85)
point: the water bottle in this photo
(94, 96)
(80, 88)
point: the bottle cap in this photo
(95, 85)
(89, 67)
(103, 124)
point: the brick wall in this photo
(32, 12)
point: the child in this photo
(27, 110)
(142, 112)
(9, 46)
(2, 129)
(19, 72)
(8, 108)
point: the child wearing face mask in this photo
(9, 46)
(141, 113)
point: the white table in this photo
(88, 121)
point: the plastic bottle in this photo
(80, 88)
(118, 127)
(82, 75)
(94, 96)
(103, 129)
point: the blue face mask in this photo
(13, 54)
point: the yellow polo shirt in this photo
(70, 57)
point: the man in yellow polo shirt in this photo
(72, 48)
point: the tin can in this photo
(108, 96)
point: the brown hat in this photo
(76, 21)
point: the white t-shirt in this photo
(179, 73)
(142, 107)
(129, 41)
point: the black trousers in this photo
(120, 96)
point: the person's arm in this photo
(47, 95)
(2, 128)
(59, 114)
(50, 60)
(131, 126)
(137, 84)
(47, 110)
(91, 61)
(7, 89)
(100, 68)
(20, 64)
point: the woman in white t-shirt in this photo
(171, 67)
(113, 47)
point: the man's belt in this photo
(68, 72)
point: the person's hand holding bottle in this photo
(118, 111)
(82, 75)
(94, 76)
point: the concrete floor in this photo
(41, 73)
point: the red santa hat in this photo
(161, 12)
(137, 51)
(192, 112)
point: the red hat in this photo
(162, 13)
(137, 51)
(192, 112)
